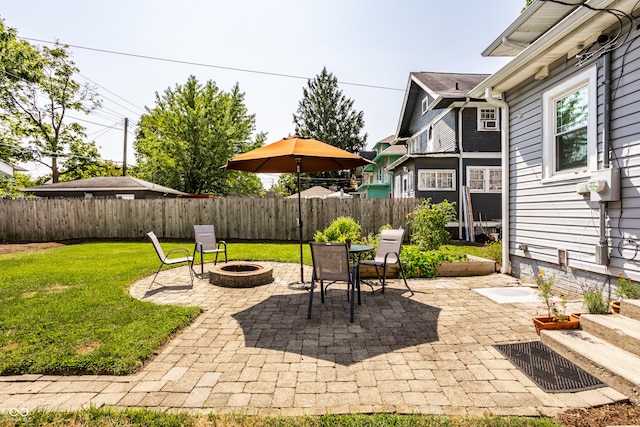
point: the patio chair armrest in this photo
(223, 243)
(181, 251)
(391, 253)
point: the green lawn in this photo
(148, 418)
(67, 309)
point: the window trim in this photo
(487, 178)
(424, 104)
(453, 179)
(481, 121)
(589, 79)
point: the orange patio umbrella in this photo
(296, 154)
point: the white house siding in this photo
(552, 217)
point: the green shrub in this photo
(340, 230)
(627, 289)
(428, 222)
(418, 263)
(595, 302)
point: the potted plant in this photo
(626, 289)
(556, 318)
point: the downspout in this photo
(504, 143)
(602, 255)
(460, 174)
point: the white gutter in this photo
(504, 142)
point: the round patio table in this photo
(356, 250)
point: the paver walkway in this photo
(253, 351)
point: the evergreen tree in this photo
(325, 114)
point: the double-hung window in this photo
(436, 179)
(484, 179)
(569, 126)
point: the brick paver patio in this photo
(253, 351)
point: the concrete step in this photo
(630, 308)
(614, 366)
(617, 329)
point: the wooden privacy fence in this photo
(42, 220)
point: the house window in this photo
(487, 179)
(397, 186)
(569, 126)
(436, 179)
(425, 104)
(487, 118)
(430, 146)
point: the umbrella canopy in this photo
(296, 154)
(282, 156)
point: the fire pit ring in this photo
(240, 275)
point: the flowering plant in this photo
(545, 285)
(626, 288)
(544, 289)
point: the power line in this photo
(199, 64)
(115, 94)
(48, 153)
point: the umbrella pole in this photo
(301, 282)
(300, 220)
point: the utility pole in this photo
(124, 156)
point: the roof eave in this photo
(558, 41)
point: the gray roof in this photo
(394, 149)
(5, 169)
(449, 84)
(104, 183)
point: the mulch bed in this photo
(617, 414)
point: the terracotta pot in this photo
(615, 307)
(548, 323)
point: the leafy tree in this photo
(185, 140)
(37, 91)
(287, 185)
(325, 114)
(20, 65)
(10, 186)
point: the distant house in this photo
(123, 187)
(571, 127)
(376, 180)
(452, 142)
(316, 192)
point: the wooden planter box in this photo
(369, 271)
(475, 266)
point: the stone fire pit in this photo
(240, 275)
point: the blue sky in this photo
(376, 43)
